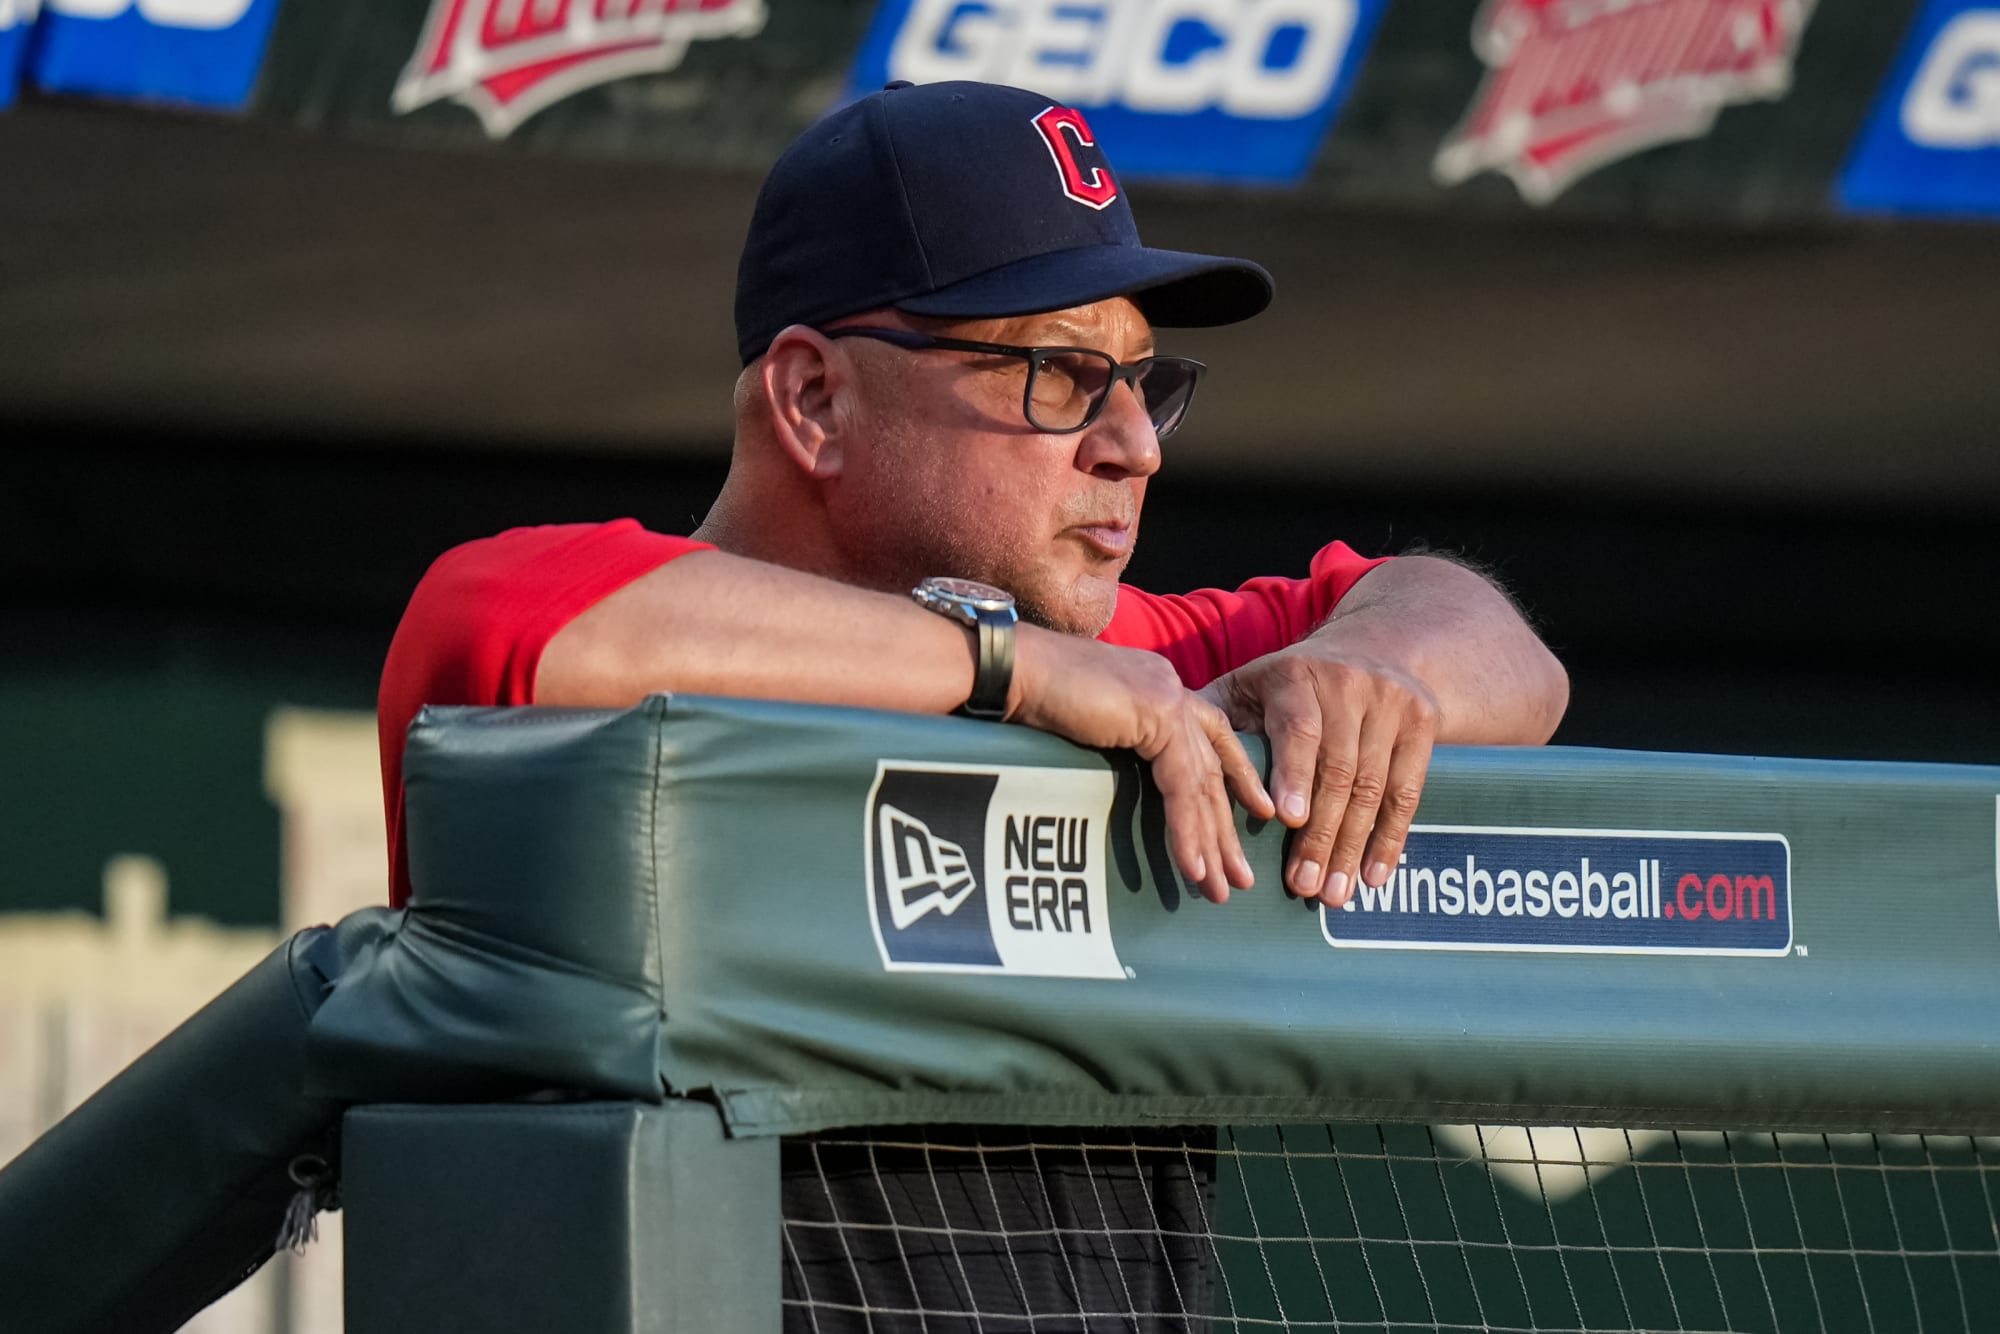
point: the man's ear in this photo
(809, 388)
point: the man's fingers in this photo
(1408, 768)
(1182, 772)
(1294, 725)
(1195, 773)
(1187, 827)
(1235, 866)
(1313, 870)
(1350, 749)
(1212, 739)
(1373, 757)
(1238, 771)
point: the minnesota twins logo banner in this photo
(508, 59)
(1577, 84)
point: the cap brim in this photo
(1175, 289)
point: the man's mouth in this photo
(1110, 538)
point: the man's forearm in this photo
(712, 623)
(1494, 681)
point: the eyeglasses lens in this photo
(1165, 389)
(1066, 387)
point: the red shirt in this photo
(477, 624)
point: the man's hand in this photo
(1350, 746)
(1421, 652)
(1125, 699)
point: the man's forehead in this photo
(1115, 326)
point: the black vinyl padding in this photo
(168, 1187)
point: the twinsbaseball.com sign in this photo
(1603, 891)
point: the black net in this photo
(1390, 1228)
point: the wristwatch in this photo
(990, 611)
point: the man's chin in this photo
(1084, 608)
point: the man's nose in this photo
(1122, 441)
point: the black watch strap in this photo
(994, 676)
(989, 613)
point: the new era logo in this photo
(923, 873)
(997, 869)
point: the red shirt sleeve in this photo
(477, 624)
(1213, 631)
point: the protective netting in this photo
(1390, 1228)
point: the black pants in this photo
(956, 1229)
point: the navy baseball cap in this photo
(967, 201)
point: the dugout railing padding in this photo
(668, 910)
(675, 897)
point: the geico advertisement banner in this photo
(1597, 891)
(1932, 142)
(201, 51)
(1229, 89)
(17, 18)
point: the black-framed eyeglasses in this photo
(1068, 386)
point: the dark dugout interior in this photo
(1748, 628)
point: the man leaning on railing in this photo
(950, 408)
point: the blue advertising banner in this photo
(1173, 88)
(202, 51)
(17, 19)
(1932, 143)
(1594, 891)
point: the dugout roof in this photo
(181, 272)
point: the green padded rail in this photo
(717, 897)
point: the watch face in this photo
(984, 597)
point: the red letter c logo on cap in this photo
(1096, 190)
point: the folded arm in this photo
(714, 623)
